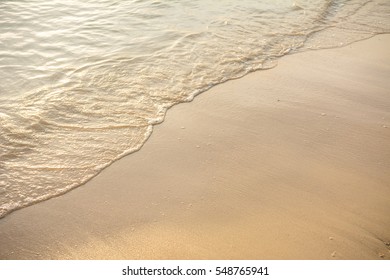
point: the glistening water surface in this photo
(83, 82)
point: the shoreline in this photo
(286, 163)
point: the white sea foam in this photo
(83, 82)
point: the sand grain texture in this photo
(288, 163)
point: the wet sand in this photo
(288, 163)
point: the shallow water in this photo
(83, 82)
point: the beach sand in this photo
(288, 163)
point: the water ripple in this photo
(83, 82)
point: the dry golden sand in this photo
(289, 163)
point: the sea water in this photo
(83, 82)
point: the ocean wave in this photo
(83, 82)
